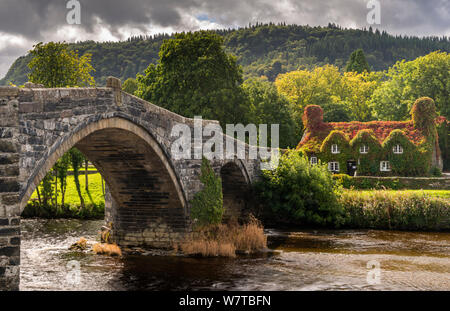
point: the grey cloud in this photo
(36, 19)
(31, 18)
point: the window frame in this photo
(333, 163)
(364, 149)
(386, 167)
(335, 149)
(397, 149)
(313, 162)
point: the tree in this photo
(130, 86)
(346, 94)
(194, 76)
(406, 81)
(76, 160)
(54, 65)
(207, 204)
(61, 167)
(267, 106)
(357, 62)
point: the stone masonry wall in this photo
(9, 189)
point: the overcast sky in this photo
(26, 22)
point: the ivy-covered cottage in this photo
(377, 148)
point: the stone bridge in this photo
(128, 140)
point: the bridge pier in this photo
(9, 253)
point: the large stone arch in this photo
(79, 136)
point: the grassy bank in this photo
(93, 198)
(400, 210)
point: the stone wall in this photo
(9, 253)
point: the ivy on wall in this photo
(418, 139)
(345, 152)
(413, 161)
(368, 163)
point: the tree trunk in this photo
(86, 174)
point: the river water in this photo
(300, 260)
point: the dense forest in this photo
(261, 49)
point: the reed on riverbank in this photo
(226, 240)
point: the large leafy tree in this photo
(54, 65)
(194, 76)
(406, 81)
(267, 106)
(343, 97)
(357, 62)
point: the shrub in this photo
(435, 171)
(299, 193)
(207, 205)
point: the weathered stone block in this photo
(7, 146)
(10, 251)
(9, 186)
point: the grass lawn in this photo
(95, 194)
(432, 193)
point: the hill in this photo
(262, 49)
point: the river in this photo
(300, 260)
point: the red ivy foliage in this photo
(317, 130)
(312, 117)
(441, 119)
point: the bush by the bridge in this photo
(299, 193)
(399, 210)
(207, 205)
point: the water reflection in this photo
(304, 260)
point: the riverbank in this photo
(93, 198)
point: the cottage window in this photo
(333, 166)
(313, 160)
(385, 166)
(398, 149)
(364, 149)
(334, 149)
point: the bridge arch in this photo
(235, 189)
(79, 138)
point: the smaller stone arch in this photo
(236, 190)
